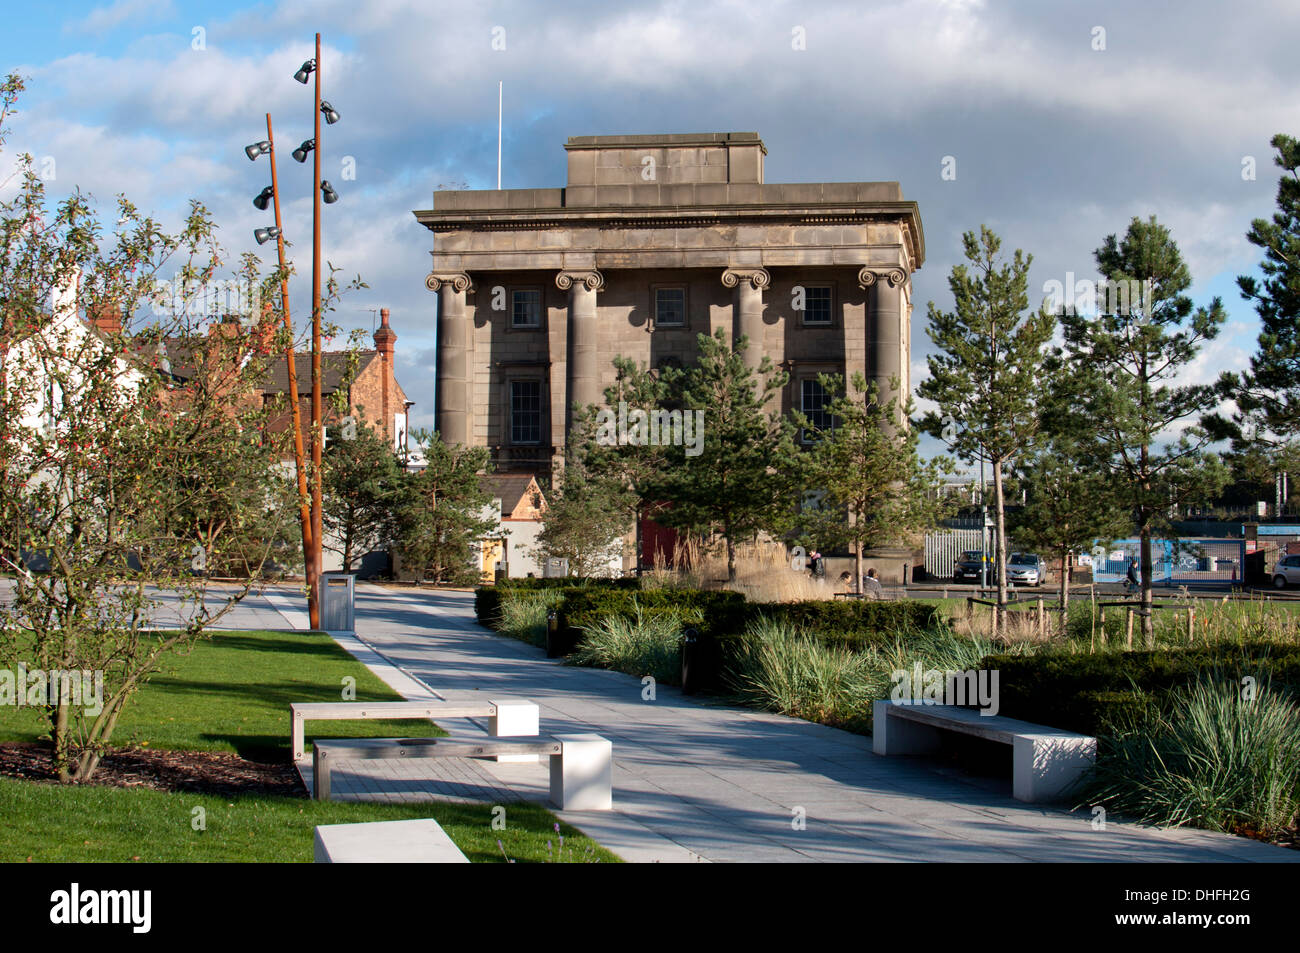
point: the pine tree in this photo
(738, 481)
(1128, 358)
(442, 512)
(987, 373)
(1265, 430)
(1070, 498)
(362, 479)
(872, 487)
(585, 520)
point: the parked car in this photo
(1286, 572)
(968, 566)
(1024, 569)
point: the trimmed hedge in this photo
(628, 582)
(851, 623)
(1088, 693)
(487, 599)
(720, 618)
(713, 613)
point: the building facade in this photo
(652, 241)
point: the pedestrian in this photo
(1134, 582)
(871, 588)
(816, 565)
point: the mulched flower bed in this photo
(196, 772)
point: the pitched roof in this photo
(509, 487)
(334, 365)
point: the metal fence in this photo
(1185, 562)
(942, 550)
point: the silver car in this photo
(1286, 572)
(1024, 569)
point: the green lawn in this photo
(89, 823)
(232, 693)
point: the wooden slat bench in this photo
(1045, 761)
(507, 717)
(581, 765)
(421, 841)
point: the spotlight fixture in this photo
(300, 154)
(330, 113)
(264, 235)
(257, 149)
(264, 198)
(305, 71)
(328, 193)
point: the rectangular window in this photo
(525, 309)
(817, 304)
(813, 401)
(526, 412)
(670, 307)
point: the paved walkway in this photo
(699, 781)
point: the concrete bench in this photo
(420, 841)
(1045, 761)
(581, 765)
(507, 717)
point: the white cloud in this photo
(103, 19)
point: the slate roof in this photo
(509, 487)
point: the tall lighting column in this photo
(317, 417)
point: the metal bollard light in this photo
(553, 649)
(691, 652)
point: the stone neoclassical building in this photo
(654, 240)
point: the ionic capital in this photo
(458, 280)
(592, 279)
(894, 276)
(758, 278)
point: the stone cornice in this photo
(660, 216)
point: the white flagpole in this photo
(500, 83)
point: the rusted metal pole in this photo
(317, 416)
(299, 457)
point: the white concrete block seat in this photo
(581, 765)
(1046, 762)
(420, 841)
(507, 717)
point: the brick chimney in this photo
(385, 338)
(106, 317)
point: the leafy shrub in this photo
(1085, 692)
(1207, 756)
(649, 643)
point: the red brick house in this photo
(374, 395)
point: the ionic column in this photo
(747, 309)
(451, 410)
(584, 374)
(885, 345)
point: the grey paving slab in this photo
(696, 780)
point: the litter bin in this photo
(338, 601)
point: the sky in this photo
(1062, 121)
